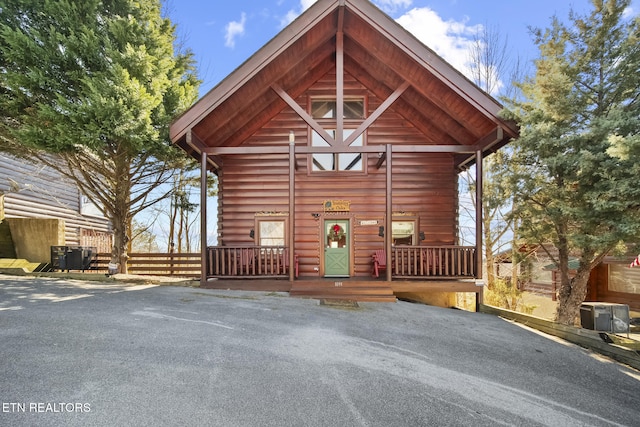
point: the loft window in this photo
(336, 161)
(322, 108)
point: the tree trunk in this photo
(119, 254)
(571, 296)
(121, 217)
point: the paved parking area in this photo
(104, 354)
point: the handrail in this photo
(433, 261)
(247, 261)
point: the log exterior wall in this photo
(35, 191)
(423, 184)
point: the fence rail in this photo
(156, 264)
(406, 262)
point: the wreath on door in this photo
(336, 232)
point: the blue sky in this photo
(223, 34)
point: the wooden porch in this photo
(413, 269)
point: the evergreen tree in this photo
(577, 164)
(90, 87)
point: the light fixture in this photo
(252, 233)
(381, 231)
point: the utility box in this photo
(605, 317)
(73, 257)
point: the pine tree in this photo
(89, 88)
(580, 122)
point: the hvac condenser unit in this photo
(605, 317)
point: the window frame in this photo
(284, 219)
(416, 232)
(330, 125)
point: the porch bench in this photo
(379, 262)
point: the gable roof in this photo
(385, 58)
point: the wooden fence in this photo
(156, 264)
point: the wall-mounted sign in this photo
(337, 205)
(369, 222)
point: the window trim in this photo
(271, 218)
(416, 228)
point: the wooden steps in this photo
(345, 290)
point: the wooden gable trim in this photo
(377, 113)
(303, 114)
(250, 68)
(340, 77)
(427, 58)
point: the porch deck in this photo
(414, 269)
(352, 288)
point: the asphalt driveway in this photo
(105, 354)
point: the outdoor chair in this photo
(379, 262)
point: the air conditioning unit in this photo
(605, 317)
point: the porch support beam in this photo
(479, 204)
(203, 219)
(304, 149)
(292, 208)
(388, 237)
(376, 114)
(302, 113)
(381, 160)
(196, 143)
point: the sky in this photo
(224, 34)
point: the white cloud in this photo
(294, 13)
(451, 40)
(391, 6)
(234, 29)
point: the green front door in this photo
(336, 248)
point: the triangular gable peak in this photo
(345, 37)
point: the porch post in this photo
(479, 204)
(388, 235)
(203, 219)
(292, 204)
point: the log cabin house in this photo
(339, 140)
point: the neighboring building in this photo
(613, 280)
(340, 138)
(64, 216)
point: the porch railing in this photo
(433, 261)
(406, 262)
(247, 261)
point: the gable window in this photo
(324, 110)
(336, 161)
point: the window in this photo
(326, 108)
(336, 161)
(271, 233)
(403, 232)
